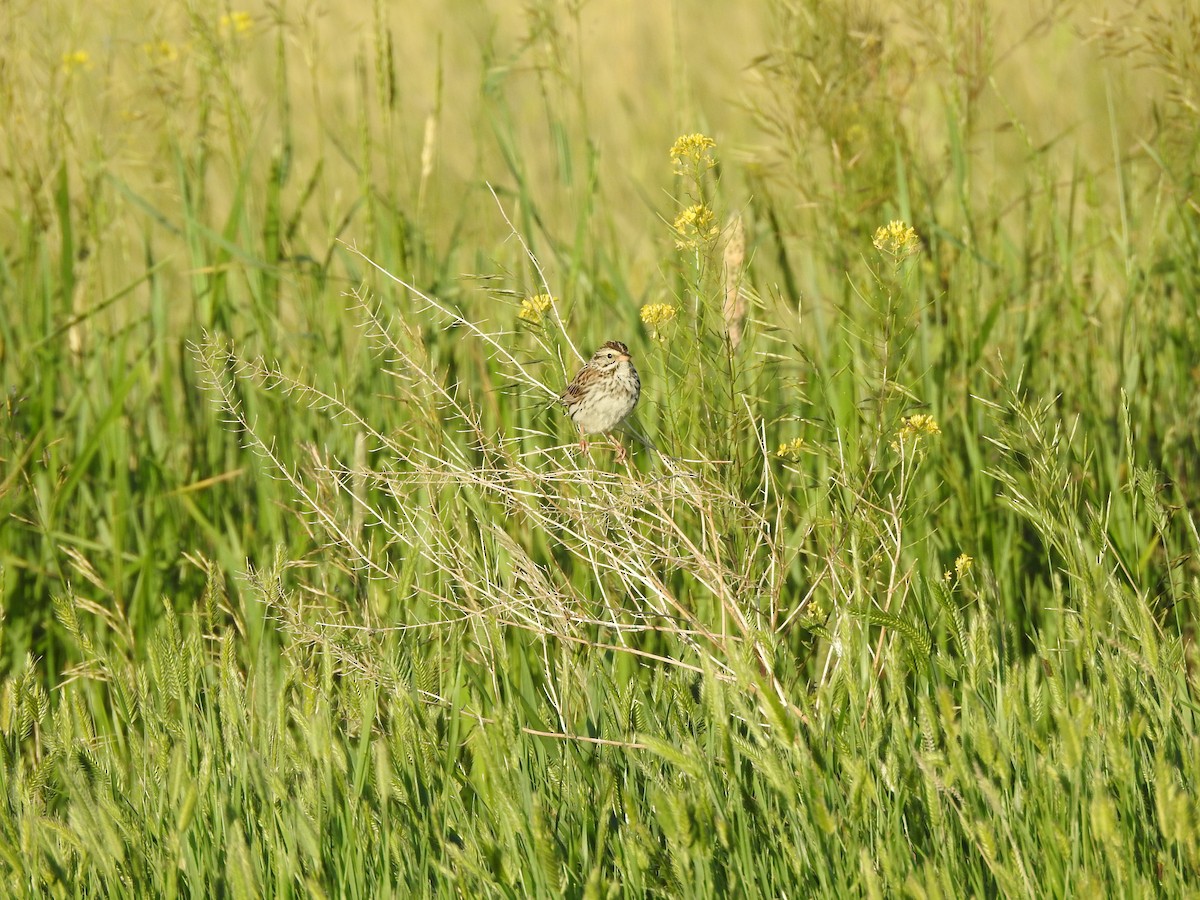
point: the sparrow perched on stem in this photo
(603, 394)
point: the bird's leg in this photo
(622, 453)
(583, 445)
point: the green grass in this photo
(306, 591)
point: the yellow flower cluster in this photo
(694, 226)
(692, 148)
(76, 60)
(791, 450)
(962, 566)
(656, 315)
(816, 613)
(235, 23)
(897, 239)
(533, 308)
(919, 424)
(913, 428)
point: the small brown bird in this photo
(603, 394)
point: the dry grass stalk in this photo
(735, 301)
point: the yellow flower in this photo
(76, 60)
(692, 148)
(962, 566)
(913, 428)
(791, 450)
(815, 613)
(533, 308)
(159, 52)
(694, 226)
(897, 239)
(235, 23)
(919, 424)
(657, 314)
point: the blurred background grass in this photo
(204, 692)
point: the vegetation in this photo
(308, 591)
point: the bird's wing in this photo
(573, 390)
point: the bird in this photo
(603, 394)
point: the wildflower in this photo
(816, 612)
(159, 52)
(791, 450)
(533, 308)
(897, 239)
(656, 315)
(913, 428)
(962, 566)
(919, 424)
(235, 23)
(692, 148)
(76, 60)
(694, 226)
